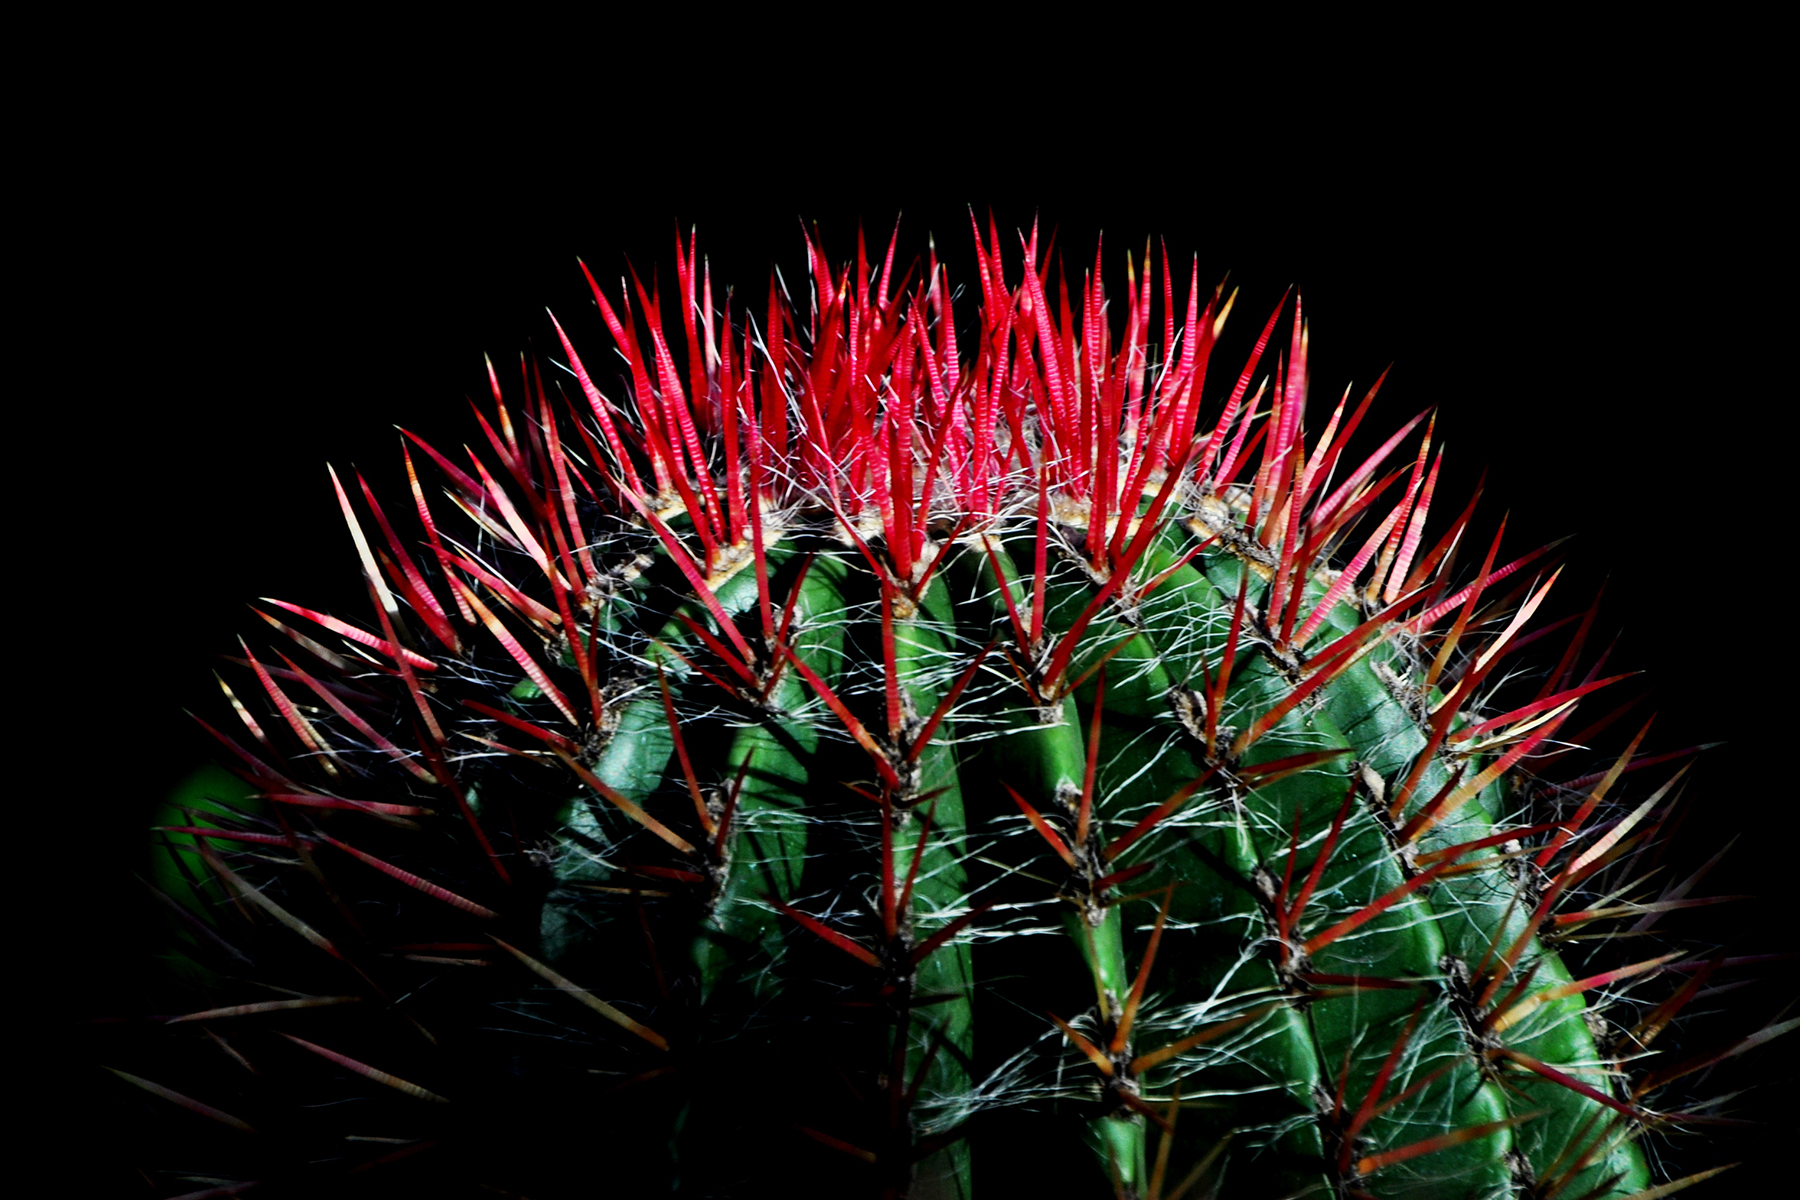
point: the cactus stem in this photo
(867, 685)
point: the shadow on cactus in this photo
(843, 759)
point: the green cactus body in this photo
(838, 793)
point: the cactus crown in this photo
(849, 752)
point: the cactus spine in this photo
(842, 752)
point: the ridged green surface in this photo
(790, 846)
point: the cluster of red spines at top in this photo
(868, 422)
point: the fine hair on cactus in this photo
(847, 740)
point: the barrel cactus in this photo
(848, 755)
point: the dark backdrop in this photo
(1593, 303)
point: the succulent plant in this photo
(849, 755)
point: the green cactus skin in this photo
(797, 776)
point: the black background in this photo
(246, 278)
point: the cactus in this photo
(843, 759)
